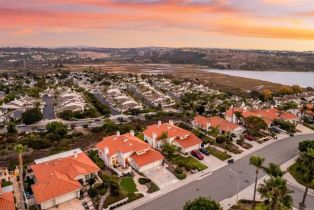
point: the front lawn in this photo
(188, 163)
(128, 184)
(218, 154)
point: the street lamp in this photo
(238, 184)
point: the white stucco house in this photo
(58, 178)
(121, 152)
(161, 133)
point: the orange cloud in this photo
(157, 19)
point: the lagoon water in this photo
(304, 79)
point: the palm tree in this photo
(19, 148)
(258, 163)
(215, 132)
(306, 161)
(273, 170)
(304, 108)
(276, 193)
(238, 116)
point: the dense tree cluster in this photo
(31, 116)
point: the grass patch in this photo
(113, 199)
(218, 154)
(311, 126)
(188, 163)
(294, 170)
(128, 184)
(134, 196)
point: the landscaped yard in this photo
(218, 154)
(151, 186)
(295, 172)
(188, 163)
(128, 184)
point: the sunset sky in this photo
(259, 24)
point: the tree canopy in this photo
(202, 203)
(32, 115)
(56, 130)
(255, 123)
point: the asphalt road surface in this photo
(222, 184)
(48, 112)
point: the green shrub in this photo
(179, 170)
(31, 116)
(144, 180)
(181, 176)
(152, 187)
(92, 192)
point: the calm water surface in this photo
(304, 79)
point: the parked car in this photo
(249, 137)
(194, 171)
(197, 154)
(230, 161)
(204, 151)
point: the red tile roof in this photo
(268, 115)
(230, 111)
(223, 124)
(123, 143)
(287, 116)
(148, 157)
(201, 121)
(7, 201)
(57, 177)
(190, 141)
(172, 130)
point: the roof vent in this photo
(75, 154)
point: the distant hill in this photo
(258, 60)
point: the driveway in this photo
(74, 204)
(212, 162)
(161, 176)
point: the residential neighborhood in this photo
(113, 141)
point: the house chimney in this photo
(75, 154)
(118, 133)
(132, 132)
(154, 136)
(159, 123)
(171, 122)
(106, 150)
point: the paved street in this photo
(48, 112)
(222, 184)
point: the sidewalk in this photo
(247, 193)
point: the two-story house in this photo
(161, 133)
(120, 152)
(59, 178)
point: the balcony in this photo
(121, 171)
